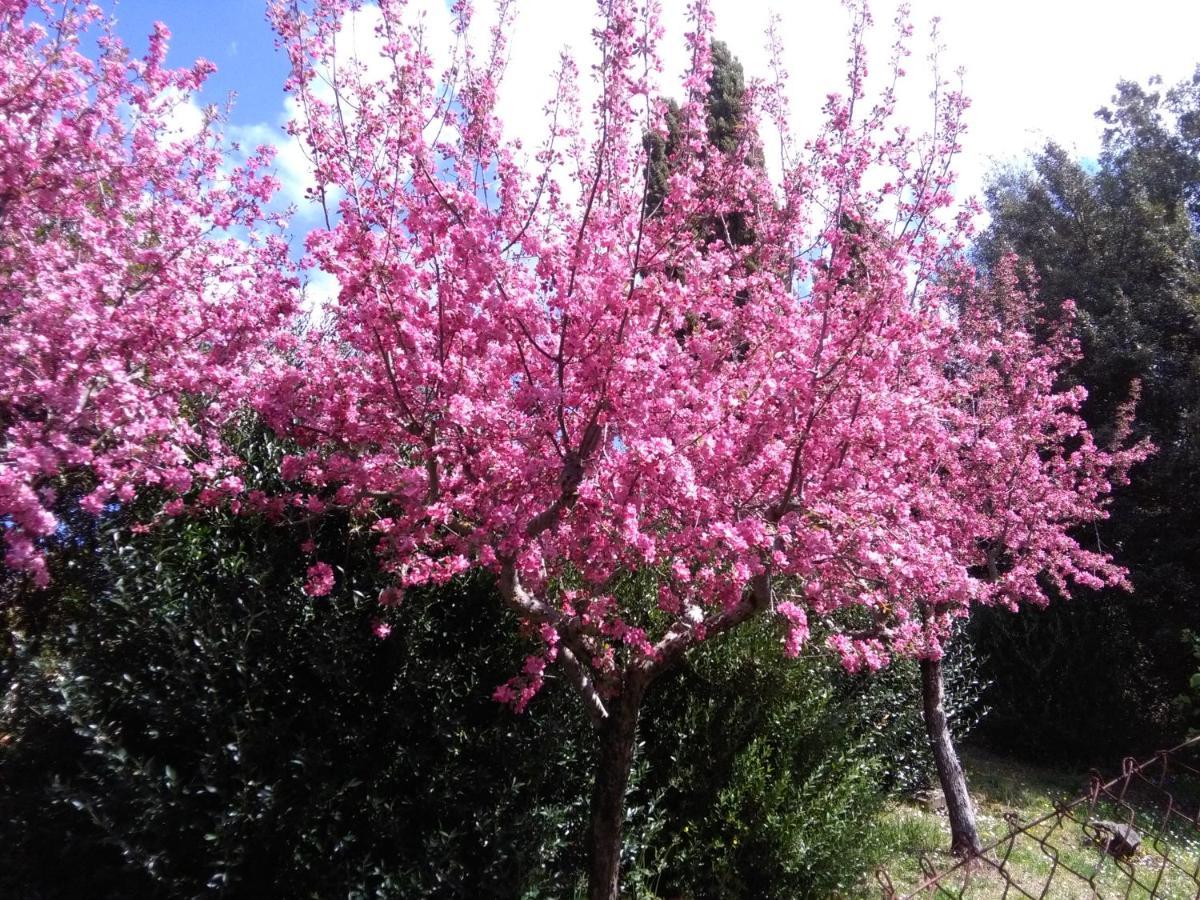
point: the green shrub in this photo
(762, 777)
(202, 726)
(181, 719)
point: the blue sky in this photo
(231, 33)
(234, 35)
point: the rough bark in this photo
(964, 836)
(615, 760)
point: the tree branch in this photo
(570, 650)
(683, 635)
(579, 676)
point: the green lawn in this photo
(1005, 792)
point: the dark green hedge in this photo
(181, 720)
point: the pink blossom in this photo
(797, 627)
(391, 596)
(380, 629)
(108, 336)
(320, 580)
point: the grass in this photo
(1008, 792)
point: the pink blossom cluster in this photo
(136, 296)
(320, 579)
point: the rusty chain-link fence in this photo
(1134, 836)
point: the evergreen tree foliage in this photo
(191, 722)
(1121, 237)
(725, 112)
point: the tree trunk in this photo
(964, 837)
(615, 761)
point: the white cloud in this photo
(1039, 70)
(320, 290)
(184, 118)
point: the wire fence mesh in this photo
(1133, 836)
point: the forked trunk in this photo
(964, 837)
(616, 746)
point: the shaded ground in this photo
(1167, 864)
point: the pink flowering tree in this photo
(1026, 476)
(526, 372)
(137, 282)
(1019, 475)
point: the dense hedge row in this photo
(180, 719)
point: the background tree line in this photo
(1120, 235)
